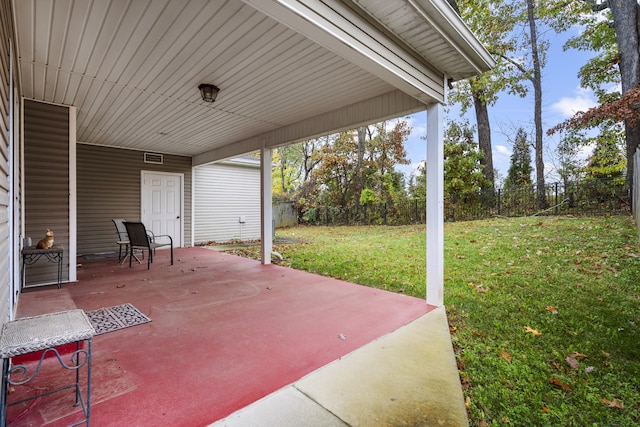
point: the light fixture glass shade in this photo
(208, 92)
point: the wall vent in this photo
(155, 158)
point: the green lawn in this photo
(543, 312)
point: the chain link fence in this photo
(589, 197)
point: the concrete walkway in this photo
(405, 378)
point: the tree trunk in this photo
(626, 22)
(484, 138)
(537, 89)
(362, 138)
(282, 168)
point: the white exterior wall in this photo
(223, 193)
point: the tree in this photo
(418, 184)
(385, 149)
(462, 168)
(287, 171)
(492, 21)
(624, 19)
(519, 174)
(571, 167)
(536, 79)
(292, 177)
(626, 22)
(358, 165)
(607, 160)
(336, 172)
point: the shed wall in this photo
(109, 187)
(223, 193)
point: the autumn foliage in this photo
(627, 108)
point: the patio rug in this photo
(112, 319)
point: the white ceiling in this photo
(132, 67)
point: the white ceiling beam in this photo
(388, 106)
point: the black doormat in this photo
(112, 319)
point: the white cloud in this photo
(503, 150)
(411, 169)
(582, 101)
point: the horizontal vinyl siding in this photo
(5, 247)
(222, 194)
(46, 166)
(109, 187)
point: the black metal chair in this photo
(139, 239)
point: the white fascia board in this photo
(339, 29)
(384, 107)
(442, 18)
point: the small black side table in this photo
(31, 255)
(45, 333)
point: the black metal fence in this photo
(592, 197)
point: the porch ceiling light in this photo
(208, 92)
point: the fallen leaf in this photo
(467, 402)
(120, 286)
(556, 382)
(506, 356)
(572, 362)
(615, 403)
(545, 409)
(458, 256)
(577, 355)
(552, 309)
(453, 329)
(605, 353)
(481, 289)
(535, 332)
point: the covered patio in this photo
(103, 96)
(227, 332)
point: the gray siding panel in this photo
(109, 187)
(223, 193)
(46, 164)
(5, 278)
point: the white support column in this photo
(73, 196)
(435, 205)
(266, 205)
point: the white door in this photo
(162, 204)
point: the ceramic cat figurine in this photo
(47, 242)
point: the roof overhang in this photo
(287, 70)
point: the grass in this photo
(543, 311)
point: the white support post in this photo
(73, 196)
(435, 205)
(266, 206)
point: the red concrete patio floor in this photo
(225, 332)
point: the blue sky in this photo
(562, 97)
